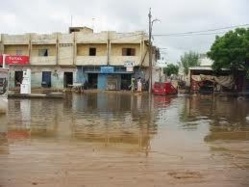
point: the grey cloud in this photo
(45, 16)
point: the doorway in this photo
(46, 79)
(68, 79)
(92, 80)
(125, 81)
(18, 78)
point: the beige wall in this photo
(65, 49)
(66, 54)
(15, 39)
(91, 60)
(45, 61)
(120, 60)
(44, 38)
(91, 37)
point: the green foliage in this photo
(231, 50)
(189, 59)
(171, 69)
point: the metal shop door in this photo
(112, 82)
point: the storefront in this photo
(106, 77)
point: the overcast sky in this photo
(176, 16)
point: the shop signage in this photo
(129, 69)
(106, 69)
(15, 60)
(128, 64)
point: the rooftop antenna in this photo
(71, 20)
(93, 24)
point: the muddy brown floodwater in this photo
(114, 139)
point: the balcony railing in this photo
(43, 60)
(91, 60)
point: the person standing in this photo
(139, 85)
(132, 86)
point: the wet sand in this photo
(43, 162)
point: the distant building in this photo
(106, 60)
(204, 80)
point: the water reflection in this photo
(111, 118)
(226, 117)
(177, 139)
(105, 118)
(3, 134)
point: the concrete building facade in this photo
(106, 60)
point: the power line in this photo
(202, 32)
(197, 34)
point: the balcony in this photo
(91, 60)
(66, 61)
(43, 60)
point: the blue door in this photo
(102, 82)
(46, 79)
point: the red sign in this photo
(15, 60)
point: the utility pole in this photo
(150, 53)
(150, 49)
(4, 62)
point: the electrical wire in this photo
(203, 32)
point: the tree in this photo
(189, 59)
(231, 51)
(171, 69)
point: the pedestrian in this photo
(139, 85)
(132, 86)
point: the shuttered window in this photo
(128, 52)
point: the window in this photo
(43, 52)
(128, 52)
(92, 51)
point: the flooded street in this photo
(118, 139)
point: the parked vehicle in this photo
(164, 88)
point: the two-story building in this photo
(106, 60)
